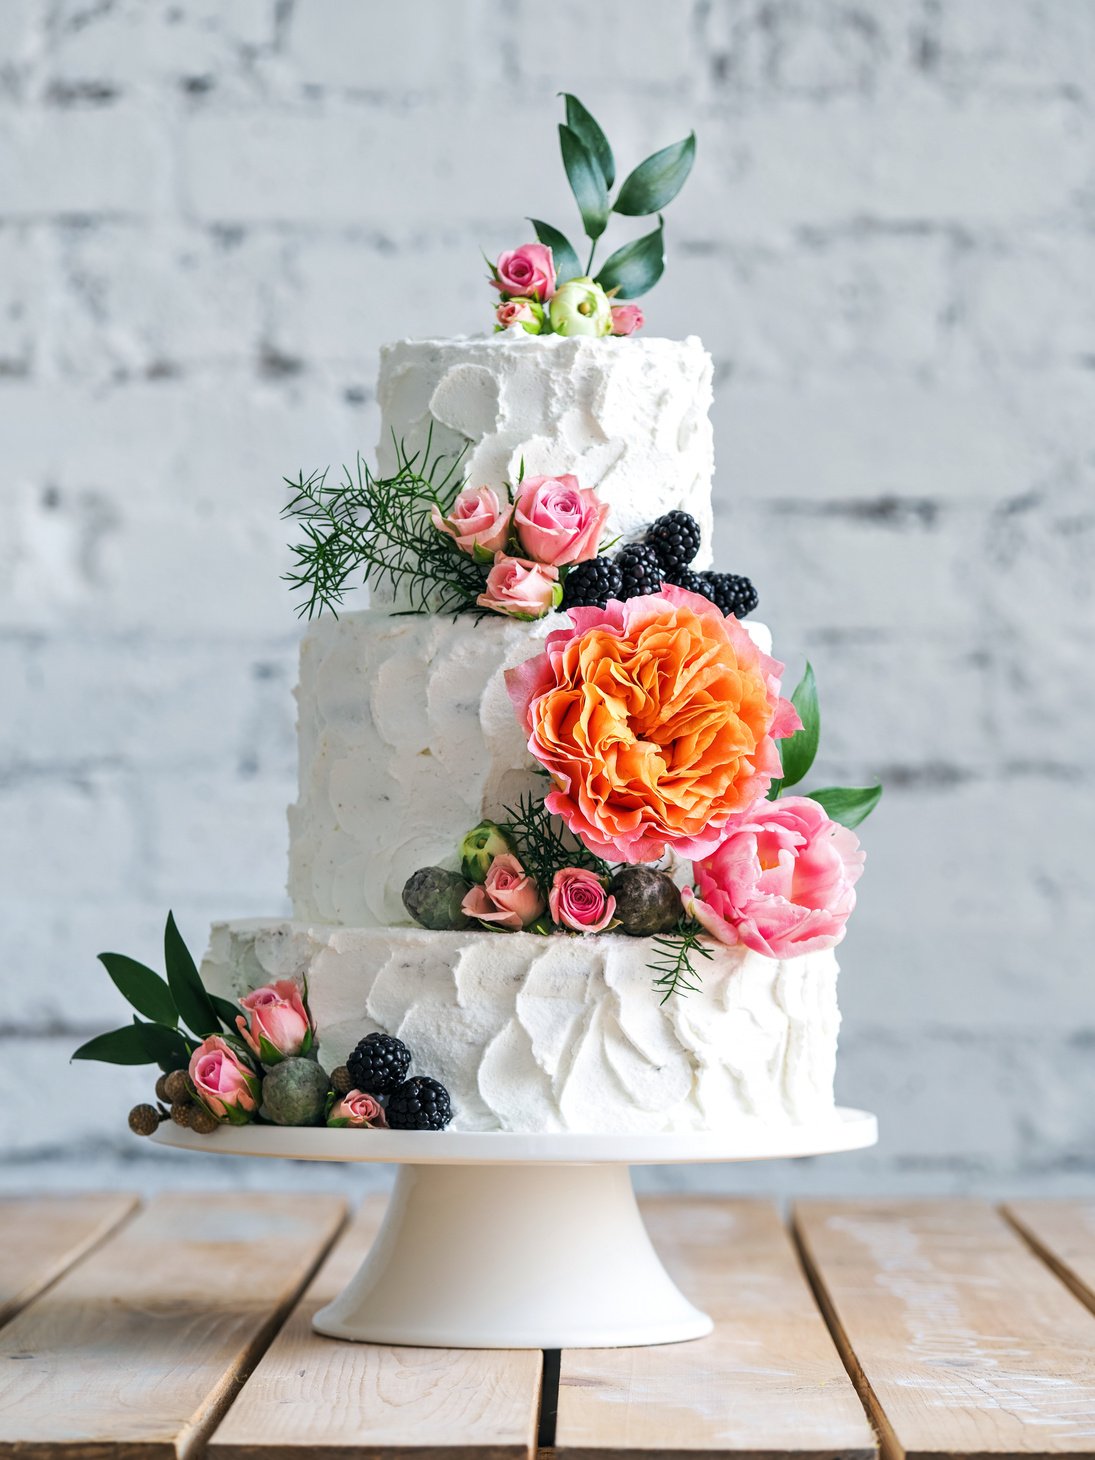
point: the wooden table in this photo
(181, 1328)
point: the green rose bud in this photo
(433, 896)
(580, 307)
(479, 849)
(294, 1092)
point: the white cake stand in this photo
(496, 1240)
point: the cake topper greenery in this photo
(661, 725)
(228, 1064)
(544, 287)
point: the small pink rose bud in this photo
(526, 271)
(579, 901)
(276, 1025)
(521, 589)
(357, 1109)
(626, 319)
(558, 522)
(223, 1083)
(477, 521)
(509, 898)
(527, 313)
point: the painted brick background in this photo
(210, 217)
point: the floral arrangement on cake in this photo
(228, 1064)
(544, 288)
(664, 733)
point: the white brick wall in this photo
(211, 216)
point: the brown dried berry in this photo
(341, 1080)
(144, 1119)
(177, 1088)
(183, 1115)
(203, 1122)
(161, 1090)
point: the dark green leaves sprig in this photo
(847, 804)
(180, 999)
(381, 528)
(591, 171)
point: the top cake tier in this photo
(626, 416)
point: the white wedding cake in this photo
(408, 737)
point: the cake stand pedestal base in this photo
(512, 1257)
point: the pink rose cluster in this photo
(781, 882)
(551, 523)
(527, 280)
(508, 898)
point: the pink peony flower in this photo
(579, 901)
(782, 882)
(358, 1109)
(227, 1086)
(279, 1025)
(626, 319)
(528, 270)
(657, 721)
(509, 897)
(527, 313)
(521, 589)
(557, 521)
(476, 520)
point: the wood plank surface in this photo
(767, 1382)
(961, 1340)
(41, 1236)
(316, 1398)
(1063, 1235)
(136, 1352)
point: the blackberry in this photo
(591, 584)
(676, 540)
(731, 593)
(419, 1104)
(378, 1064)
(693, 582)
(640, 570)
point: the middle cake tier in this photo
(407, 739)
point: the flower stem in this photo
(589, 261)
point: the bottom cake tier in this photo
(534, 1033)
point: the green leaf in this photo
(636, 267)
(165, 1045)
(658, 180)
(226, 1011)
(799, 750)
(567, 264)
(586, 182)
(125, 1046)
(193, 1003)
(144, 989)
(848, 804)
(581, 121)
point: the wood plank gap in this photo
(41, 1238)
(549, 1399)
(889, 1449)
(1034, 1222)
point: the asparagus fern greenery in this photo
(847, 804)
(672, 963)
(380, 527)
(178, 1011)
(591, 171)
(543, 844)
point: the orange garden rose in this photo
(656, 719)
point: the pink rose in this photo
(477, 519)
(279, 1025)
(529, 270)
(521, 589)
(782, 882)
(227, 1086)
(578, 900)
(358, 1109)
(528, 313)
(626, 319)
(558, 521)
(508, 897)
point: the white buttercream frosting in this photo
(626, 416)
(559, 1033)
(407, 739)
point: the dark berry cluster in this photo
(664, 556)
(379, 1065)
